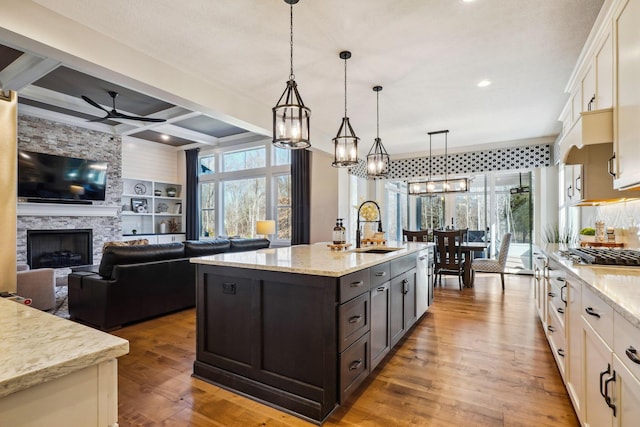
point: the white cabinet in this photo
(589, 90)
(598, 369)
(627, 95)
(573, 377)
(170, 238)
(604, 74)
(151, 207)
(626, 395)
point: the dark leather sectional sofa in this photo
(134, 283)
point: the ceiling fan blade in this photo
(116, 114)
(95, 104)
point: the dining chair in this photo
(448, 254)
(488, 265)
(418, 236)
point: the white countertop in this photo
(618, 286)
(36, 347)
(316, 259)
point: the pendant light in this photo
(345, 144)
(434, 186)
(290, 115)
(378, 158)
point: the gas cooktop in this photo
(600, 256)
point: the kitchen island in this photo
(301, 327)
(54, 371)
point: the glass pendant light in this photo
(345, 144)
(378, 158)
(290, 115)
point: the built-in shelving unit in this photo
(148, 207)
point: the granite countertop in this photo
(316, 259)
(617, 286)
(36, 347)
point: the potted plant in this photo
(588, 234)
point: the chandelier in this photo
(437, 186)
(290, 115)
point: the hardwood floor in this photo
(478, 358)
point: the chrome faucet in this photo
(379, 221)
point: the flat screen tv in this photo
(47, 177)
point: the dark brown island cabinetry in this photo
(300, 342)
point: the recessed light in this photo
(468, 1)
(164, 137)
(484, 83)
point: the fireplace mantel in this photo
(61, 209)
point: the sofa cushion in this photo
(195, 248)
(122, 255)
(242, 245)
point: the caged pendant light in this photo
(435, 186)
(290, 115)
(345, 144)
(378, 158)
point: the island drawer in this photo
(353, 320)
(354, 284)
(379, 274)
(354, 366)
(400, 265)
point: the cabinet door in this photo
(380, 336)
(578, 183)
(410, 313)
(604, 75)
(626, 396)
(573, 325)
(627, 149)
(589, 90)
(170, 238)
(569, 189)
(597, 360)
(396, 323)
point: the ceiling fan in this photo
(114, 114)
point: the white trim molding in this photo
(63, 209)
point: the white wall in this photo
(324, 197)
(151, 161)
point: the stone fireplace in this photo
(59, 248)
(101, 218)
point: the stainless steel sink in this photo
(376, 249)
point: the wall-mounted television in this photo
(47, 177)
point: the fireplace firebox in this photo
(59, 248)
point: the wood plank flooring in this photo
(478, 358)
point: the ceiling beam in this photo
(25, 70)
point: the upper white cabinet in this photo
(627, 94)
(604, 74)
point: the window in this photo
(207, 209)
(243, 160)
(208, 164)
(241, 185)
(244, 204)
(282, 185)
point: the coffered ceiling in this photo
(214, 69)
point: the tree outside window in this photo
(244, 204)
(283, 206)
(207, 209)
